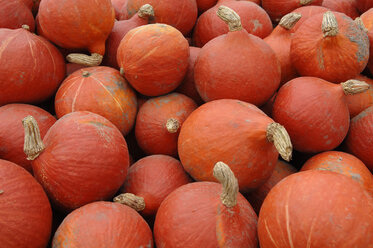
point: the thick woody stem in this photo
(305, 2)
(288, 21)
(33, 145)
(131, 200)
(25, 26)
(230, 17)
(353, 87)
(146, 11)
(329, 24)
(94, 59)
(226, 177)
(278, 135)
(172, 125)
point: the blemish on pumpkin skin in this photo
(354, 34)
(257, 25)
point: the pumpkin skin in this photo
(58, 20)
(364, 5)
(120, 8)
(96, 153)
(101, 90)
(103, 224)
(305, 208)
(204, 5)
(314, 55)
(343, 163)
(358, 103)
(32, 68)
(312, 131)
(26, 212)
(359, 138)
(347, 7)
(307, 12)
(151, 131)
(72, 67)
(253, 18)
(154, 178)
(367, 19)
(12, 133)
(166, 57)
(14, 14)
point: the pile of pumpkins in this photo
(186, 123)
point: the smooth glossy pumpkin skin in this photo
(194, 216)
(103, 91)
(314, 55)
(26, 214)
(150, 128)
(154, 178)
(343, 163)
(231, 131)
(278, 8)
(256, 197)
(307, 12)
(85, 160)
(154, 58)
(364, 5)
(103, 224)
(359, 102)
(31, 67)
(316, 209)
(347, 7)
(253, 18)
(14, 14)
(12, 132)
(77, 23)
(181, 14)
(314, 112)
(367, 18)
(359, 138)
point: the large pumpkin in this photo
(307, 12)
(367, 19)
(347, 7)
(14, 14)
(358, 103)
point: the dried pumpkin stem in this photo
(146, 11)
(226, 177)
(230, 17)
(25, 26)
(33, 145)
(172, 125)
(278, 135)
(288, 21)
(353, 87)
(305, 2)
(94, 59)
(329, 25)
(131, 200)
(1, 191)
(360, 24)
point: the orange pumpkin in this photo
(347, 7)
(358, 103)
(14, 14)
(204, 5)
(120, 8)
(367, 19)
(307, 12)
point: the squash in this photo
(120, 8)
(364, 5)
(14, 14)
(367, 21)
(358, 103)
(306, 12)
(204, 5)
(347, 7)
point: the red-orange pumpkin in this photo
(14, 14)
(26, 215)
(159, 120)
(358, 103)
(101, 90)
(364, 5)
(154, 58)
(120, 8)
(28, 3)
(103, 224)
(316, 209)
(307, 12)
(72, 67)
(237, 133)
(206, 214)
(347, 7)
(367, 19)
(31, 67)
(204, 5)
(326, 40)
(12, 133)
(181, 14)
(253, 18)
(237, 65)
(82, 158)
(359, 138)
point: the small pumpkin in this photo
(14, 14)
(367, 21)
(347, 7)
(358, 103)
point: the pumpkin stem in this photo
(94, 59)
(230, 17)
(131, 200)
(1, 191)
(146, 11)
(353, 87)
(278, 135)
(361, 25)
(226, 177)
(329, 25)
(121, 71)
(25, 26)
(172, 125)
(305, 2)
(33, 145)
(288, 21)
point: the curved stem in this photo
(172, 125)
(288, 21)
(353, 87)
(278, 135)
(33, 145)
(230, 17)
(226, 177)
(146, 11)
(329, 24)
(94, 59)
(131, 200)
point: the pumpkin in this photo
(343, 163)
(325, 40)
(121, 28)
(28, 3)
(359, 138)
(237, 133)
(181, 14)
(101, 90)
(206, 214)
(276, 9)
(279, 40)
(307, 12)
(316, 209)
(82, 158)
(364, 5)
(26, 219)
(153, 178)
(159, 120)
(257, 196)
(315, 112)
(204, 5)
(77, 24)
(154, 58)
(14, 14)
(120, 8)
(12, 133)
(268, 106)
(367, 20)
(103, 224)
(254, 20)
(347, 7)
(31, 67)
(237, 65)
(358, 103)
